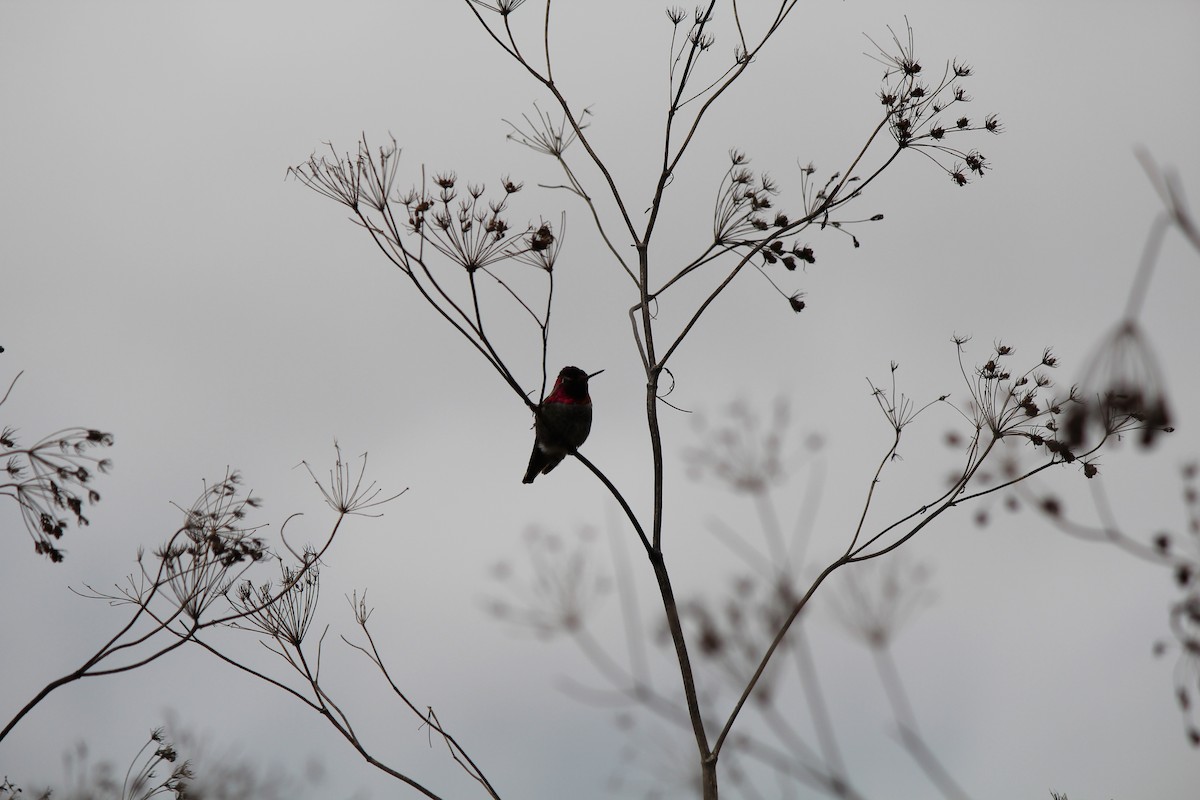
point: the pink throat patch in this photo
(559, 396)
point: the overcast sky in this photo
(161, 279)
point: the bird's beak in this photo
(594, 374)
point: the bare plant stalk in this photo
(195, 568)
(744, 233)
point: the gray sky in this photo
(162, 280)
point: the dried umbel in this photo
(51, 480)
(501, 7)
(545, 135)
(1122, 390)
(745, 452)
(285, 611)
(212, 547)
(565, 585)
(926, 115)
(155, 771)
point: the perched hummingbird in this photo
(562, 422)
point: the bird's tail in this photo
(540, 462)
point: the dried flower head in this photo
(564, 588)
(282, 612)
(541, 245)
(745, 452)
(897, 407)
(501, 7)
(212, 548)
(544, 135)
(342, 178)
(347, 493)
(916, 109)
(1122, 390)
(1008, 402)
(51, 480)
(742, 199)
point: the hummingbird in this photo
(562, 422)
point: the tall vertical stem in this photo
(708, 761)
